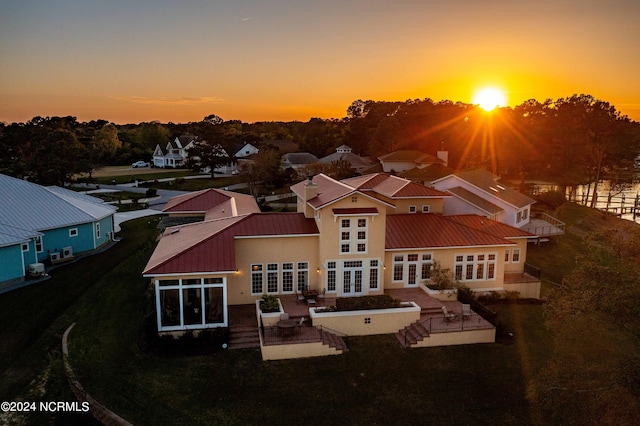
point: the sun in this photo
(489, 98)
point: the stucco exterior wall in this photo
(364, 323)
(466, 337)
(446, 258)
(517, 266)
(250, 251)
(299, 350)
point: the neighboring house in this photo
(174, 153)
(353, 237)
(211, 204)
(480, 192)
(403, 160)
(297, 160)
(428, 174)
(343, 153)
(47, 225)
(244, 150)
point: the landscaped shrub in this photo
(382, 301)
(269, 303)
(151, 192)
(553, 199)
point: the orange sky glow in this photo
(130, 62)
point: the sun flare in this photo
(489, 98)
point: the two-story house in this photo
(174, 153)
(354, 237)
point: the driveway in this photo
(125, 216)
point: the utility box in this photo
(36, 270)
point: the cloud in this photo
(181, 101)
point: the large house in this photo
(353, 237)
(47, 225)
(174, 153)
(480, 192)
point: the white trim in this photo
(448, 247)
(245, 237)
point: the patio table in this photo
(286, 326)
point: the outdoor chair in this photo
(466, 311)
(448, 316)
(299, 297)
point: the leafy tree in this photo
(103, 147)
(593, 376)
(207, 154)
(263, 169)
(63, 156)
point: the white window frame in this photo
(288, 272)
(332, 276)
(515, 255)
(38, 243)
(374, 274)
(472, 264)
(73, 232)
(350, 232)
(426, 208)
(413, 209)
(272, 271)
(302, 275)
(25, 247)
(203, 285)
(257, 271)
(398, 266)
(97, 230)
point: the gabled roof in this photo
(427, 174)
(409, 155)
(216, 203)
(34, 207)
(411, 231)
(393, 186)
(492, 227)
(209, 246)
(300, 158)
(329, 190)
(376, 186)
(10, 235)
(488, 182)
(475, 200)
(356, 161)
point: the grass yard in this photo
(376, 382)
(195, 184)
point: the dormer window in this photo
(412, 209)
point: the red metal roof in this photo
(490, 226)
(431, 231)
(209, 246)
(198, 201)
(363, 211)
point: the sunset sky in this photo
(134, 61)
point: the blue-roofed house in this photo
(47, 225)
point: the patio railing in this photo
(439, 324)
(532, 270)
(299, 334)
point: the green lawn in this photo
(376, 382)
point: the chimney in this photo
(310, 189)
(442, 154)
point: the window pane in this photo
(170, 308)
(331, 280)
(345, 236)
(214, 307)
(398, 272)
(412, 257)
(362, 223)
(192, 306)
(168, 282)
(346, 223)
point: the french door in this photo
(352, 272)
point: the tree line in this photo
(570, 141)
